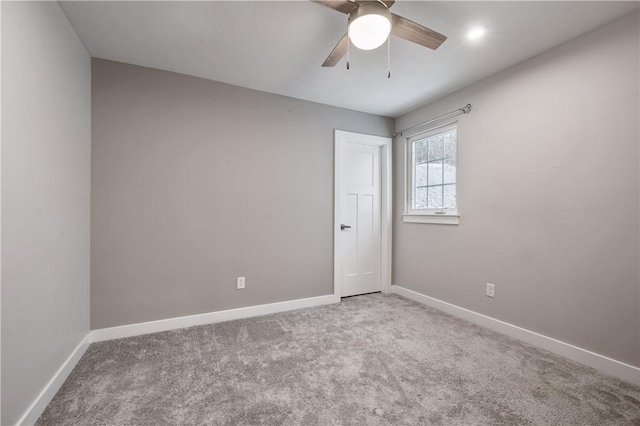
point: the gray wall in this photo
(548, 196)
(46, 143)
(195, 183)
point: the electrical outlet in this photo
(491, 290)
(240, 283)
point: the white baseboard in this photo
(602, 363)
(46, 395)
(208, 318)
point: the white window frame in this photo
(436, 216)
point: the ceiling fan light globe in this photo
(370, 26)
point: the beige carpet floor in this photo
(370, 360)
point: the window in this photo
(432, 177)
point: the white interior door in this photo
(360, 224)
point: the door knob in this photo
(343, 226)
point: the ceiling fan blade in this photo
(337, 53)
(389, 3)
(343, 6)
(409, 30)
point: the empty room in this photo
(320, 213)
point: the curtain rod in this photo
(464, 110)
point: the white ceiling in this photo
(278, 47)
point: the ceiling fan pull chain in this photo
(389, 57)
(348, 52)
(348, 42)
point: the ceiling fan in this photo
(371, 22)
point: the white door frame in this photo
(385, 144)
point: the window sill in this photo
(439, 219)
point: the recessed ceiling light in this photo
(476, 32)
